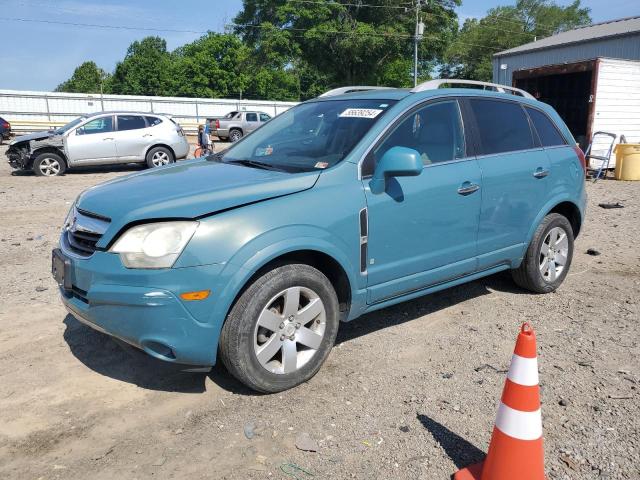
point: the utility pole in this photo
(416, 39)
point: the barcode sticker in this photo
(361, 113)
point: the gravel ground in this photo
(408, 392)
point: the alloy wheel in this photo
(289, 330)
(49, 167)
(554, 253)
(160, 158)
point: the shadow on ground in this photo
(119, 361)
(461, 452)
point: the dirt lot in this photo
(408, 392)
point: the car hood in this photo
(32, 136)
(189, 189)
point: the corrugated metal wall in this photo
(623, 47)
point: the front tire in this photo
(281, 329)
(548, 257)
(159, 157)
(49, 165)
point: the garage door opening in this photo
(568, 89)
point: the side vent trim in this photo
(364, 240)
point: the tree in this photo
(145, 70)
(470, 54)
(87, 78)
(345, 43)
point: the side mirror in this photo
(396, 162)
(80, 131)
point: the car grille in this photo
(84, 232)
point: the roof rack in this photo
(435, 84)
(356, 88)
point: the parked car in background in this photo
(235, 125)
(101, 139)
(5, 130)
(340, 206)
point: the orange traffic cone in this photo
(515, 451)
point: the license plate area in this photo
(61, 269)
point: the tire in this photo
(49, 165)
(542, 272)
(262, 358)
(235, 135)
(159, 156)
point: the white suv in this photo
(101, 139)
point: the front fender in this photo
(269, 246)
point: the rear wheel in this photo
(281, 329)
(49, 165)
(549, 256)
(159, 156)
(235, 135)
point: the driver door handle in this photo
(107, 138)
(468, 188)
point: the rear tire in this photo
(49, 165)
(281, 329)
(235, 135)
(159, 157)
(548, 257)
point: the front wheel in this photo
(281, 329)
(49, 165)
(548, 258)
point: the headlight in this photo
(69, 218)
(154, 245)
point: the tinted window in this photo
(503, 126)
(435, 131)
(252, 117)
(153, 121)
(130, 122)
(99, 125)
(547, 131)
(264, 117)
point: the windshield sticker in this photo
(264, 152)
(321, 165)
(361, 113)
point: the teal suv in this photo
(345, 204)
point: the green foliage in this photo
(87, 78)
(469, 55)
(145, 70)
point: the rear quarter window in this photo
(502, 126)
(153, 121)
(547, 131)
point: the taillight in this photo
(217, 124)
(6, 125)
(581, 157)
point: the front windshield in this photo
(310, 136)
(69, 126)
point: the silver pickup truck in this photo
(234, 125)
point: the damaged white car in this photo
(100, 139)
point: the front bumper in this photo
(143, 308)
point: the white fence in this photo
(33, 111)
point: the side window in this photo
(130, 122)
(252, 117)
(435, 131)
(547, 131)
(264, 117)
(99, 125)
(502, 126)
(153, 121)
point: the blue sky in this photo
(38, 56)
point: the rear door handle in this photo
(540, 173)
(468, 188)
(108, 138)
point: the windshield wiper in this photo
(255, 164)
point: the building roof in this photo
(596, 31)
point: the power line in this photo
(95, 25)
